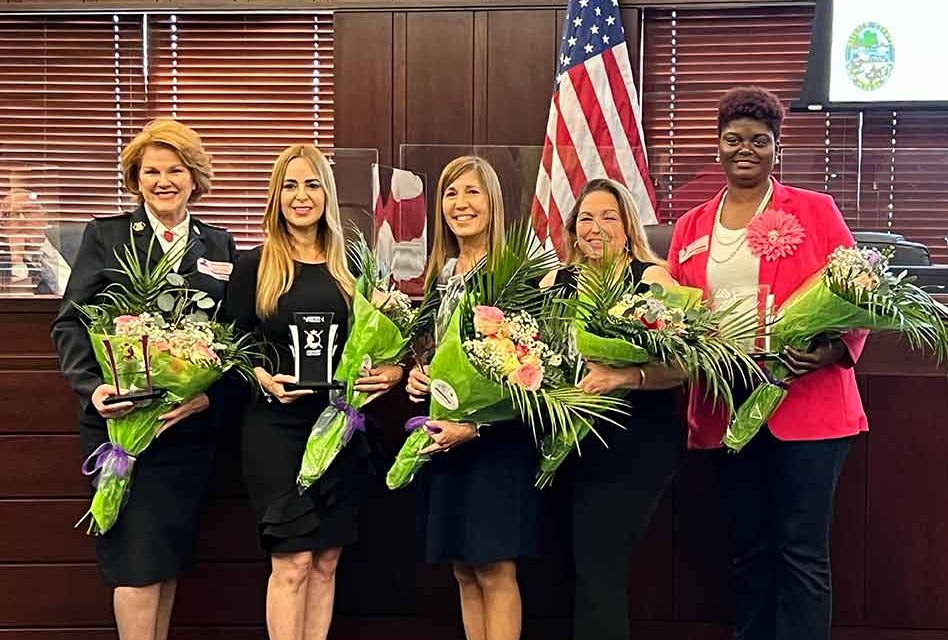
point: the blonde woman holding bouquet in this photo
(154, 537)
(301, 267)
(753, 245)
(611, 490)
(480, 510)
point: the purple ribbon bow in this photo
(109, 455)
(355, 420)
(419, 422)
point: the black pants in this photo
(780, 495)
(612, 494)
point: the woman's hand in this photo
(418, 381)
(823, 352)
(447, 434)
(107, 411)
(380, 379)
(601, 380)
(197, 404)
(273, 385)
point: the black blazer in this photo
(91, 274)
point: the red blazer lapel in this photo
(767, 273)
(703, 228)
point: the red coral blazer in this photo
(820, 405)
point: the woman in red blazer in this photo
(780, 487)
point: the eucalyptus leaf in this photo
(198, 316)
(205, 303)
(198, 295)
(175, 279)
(165, 302)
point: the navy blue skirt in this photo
(478, 501)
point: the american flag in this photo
(594, 129)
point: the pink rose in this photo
(528, 376)
(160, 345)
(488, 320)
(123, 323)
(203, 352)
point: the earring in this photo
(717, 157)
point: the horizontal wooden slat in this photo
(41, 531)
(48, 466)
(211, 594)
(36, 402)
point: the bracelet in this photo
(641, 377)
(476, 426)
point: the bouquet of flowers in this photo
(620, 323)
(154, 340)
(383, 325)
(856, 290)
(503, 356)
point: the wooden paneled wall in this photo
(448, 77)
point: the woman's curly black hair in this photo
(751, 102)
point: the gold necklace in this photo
(743, 236)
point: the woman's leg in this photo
(472, 601)
(612, 495)
(805, 475)
(502, 607)
(165, 606)
(745, 492)
(136, 611)
(320, 594)
(286, 594)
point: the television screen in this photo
(878, 52)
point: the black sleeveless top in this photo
(657, 404)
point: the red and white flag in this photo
(595, 124)
(401, 238)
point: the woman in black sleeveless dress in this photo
(612, 492)
(480, 509)
(300, 267)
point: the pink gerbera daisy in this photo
(774, 234)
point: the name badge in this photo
(698, 246)
(217, 270)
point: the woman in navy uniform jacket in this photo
(140, 557)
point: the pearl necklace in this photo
(742, 238)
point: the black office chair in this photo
(659, 238)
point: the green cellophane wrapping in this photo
(136, 430)
(751, 416)
(554, 448)
(615, 352)
(372, 334)
(480, 399)
(812, 310)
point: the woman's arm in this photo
(657, 274)
(70, 336)
(601, 379)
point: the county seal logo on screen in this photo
(870, 56)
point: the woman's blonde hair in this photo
(445, 244)
(634, 231)
(277, 269)
(171, 134)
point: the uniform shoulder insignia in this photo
(112, 216)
